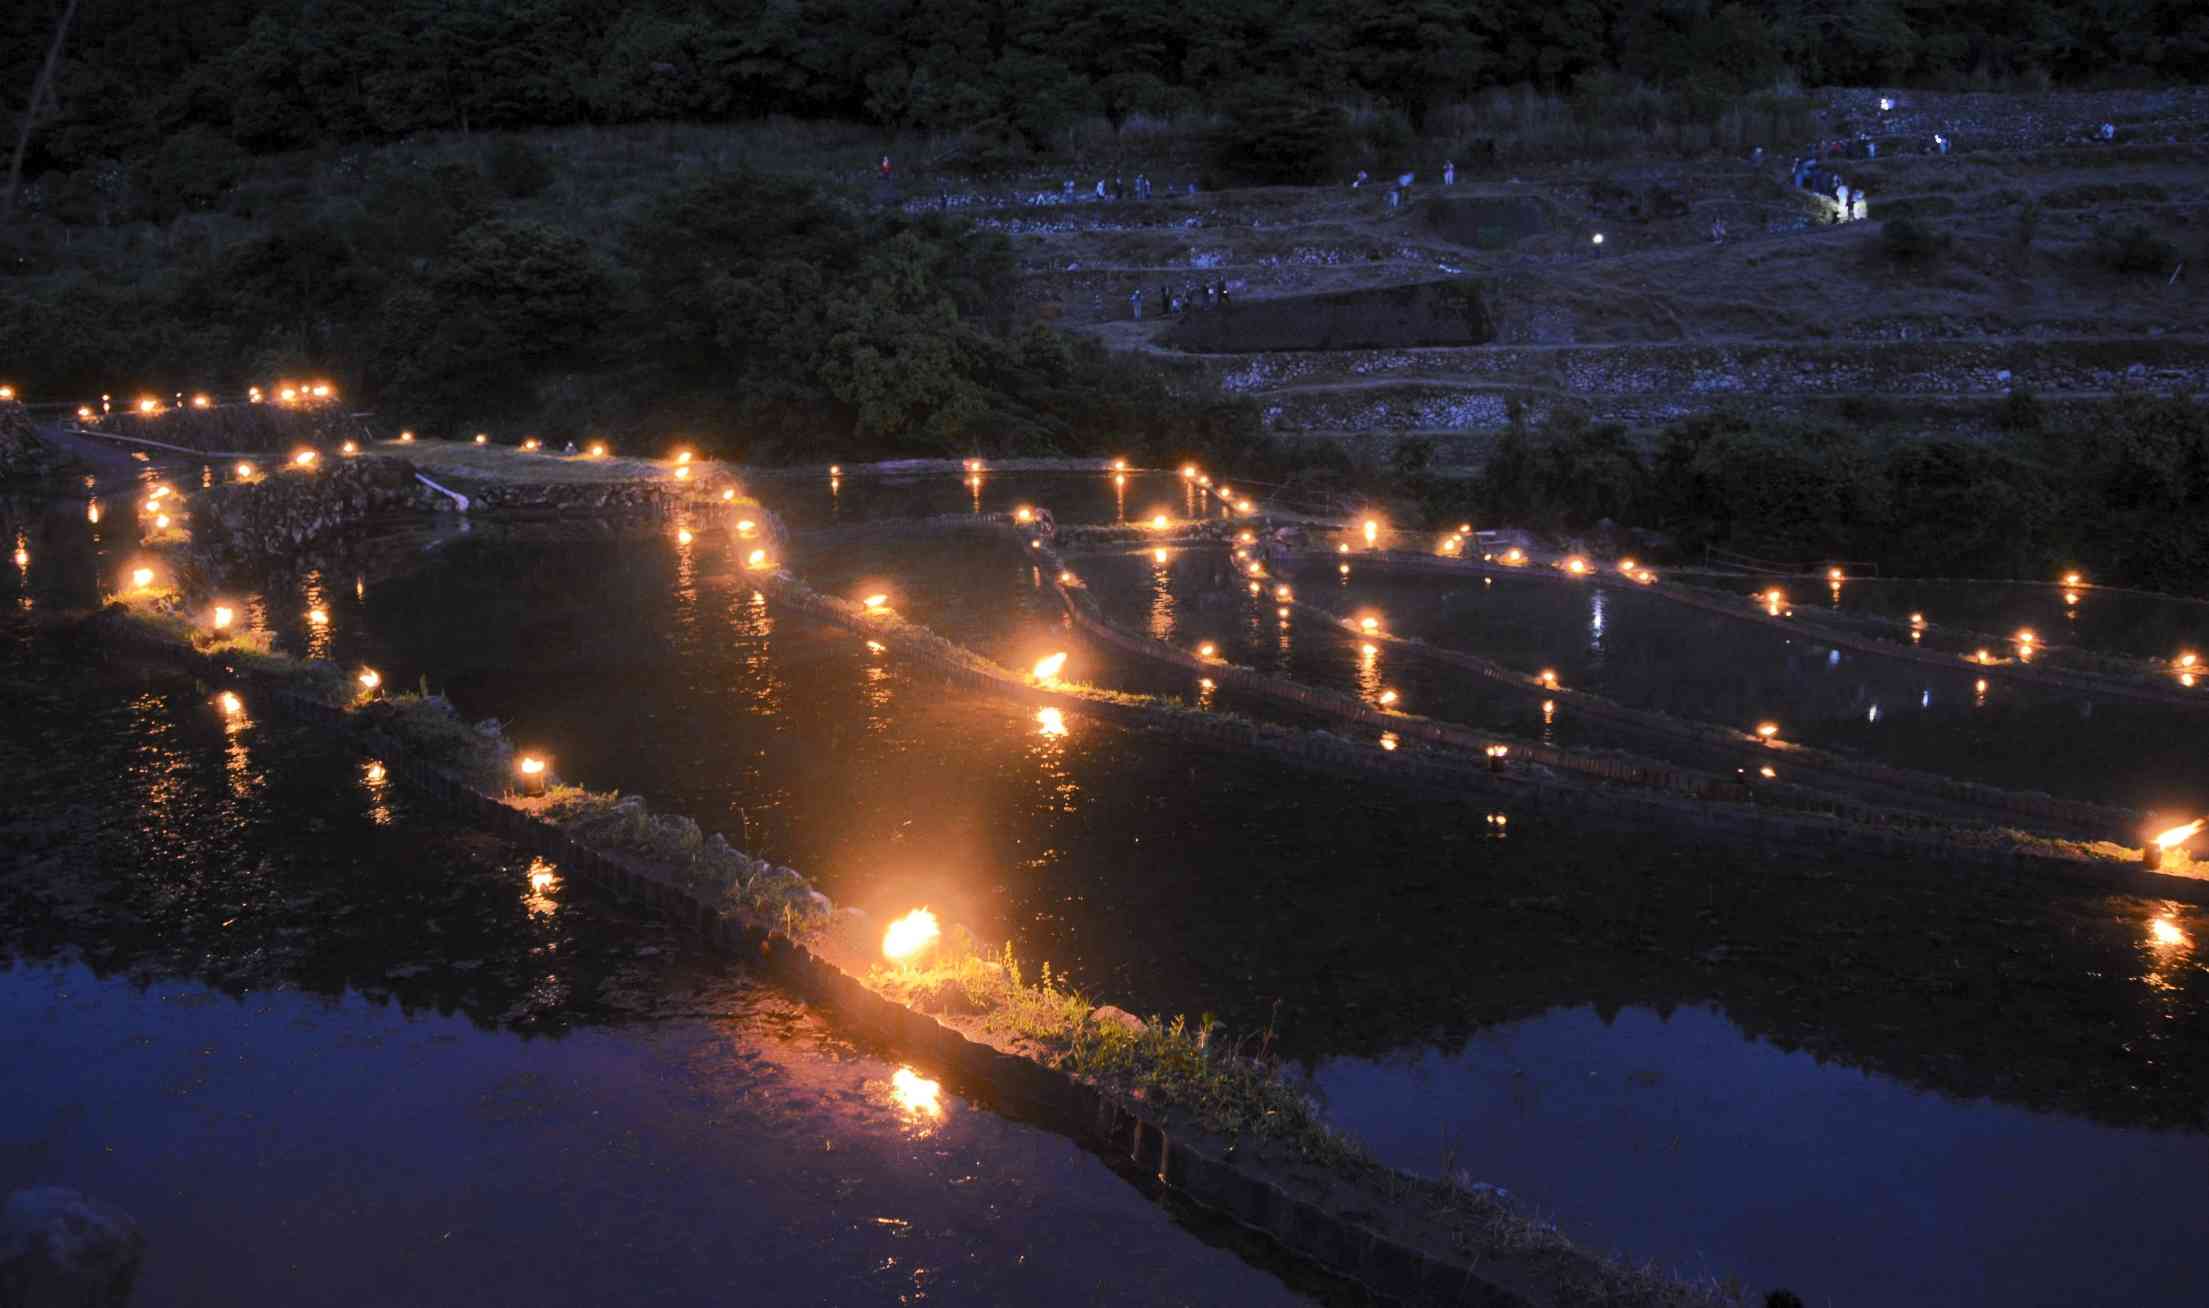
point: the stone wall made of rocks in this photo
(240, 428)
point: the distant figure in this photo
(1859, 204)
(1940, 143)
(1192, 188)
(1395, 197)
(2109, 131)
(1718, 231)
(1756, 156)
(1142, 187)
(1404, 180)
(1119, 189)
(1359, 180)
(884, 168)
(1871, 149)
(1100, 188)
(1135, 305)
(1449, 173)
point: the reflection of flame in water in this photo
(378, 784)
(2164, 934)
(916, 1096)
(1053, 723)
(544, 889)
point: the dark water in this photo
(1410, 956)
(1073, 497)
(325, 1048)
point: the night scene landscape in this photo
(1104, 652)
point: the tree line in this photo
(273, 75)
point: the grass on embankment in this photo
(512, 465)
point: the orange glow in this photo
(2025, 636)
(1066, 579)
(1917, 619)
(1833, 574)
(223, 617)
(2072, 580)
(246, 470)
(84, 413)
(200, 401)
(141, 578)
(756, 559)
(1548, 677)
(1343, 568)
(1389, 741)
(874, 602)
(370, 679)
(2070, 597)
(2165, 933)
(2177, 836)
(1159, 556)
(1626, 566)
(1367, 649)
(253, 394)
(1768, 730)
(1498, 751)
(1048, 667)
(304, 459)
(973, 465)
(407, 438)
(728, 496)
(1158, 522)
(1283, 593)
(1119, 465)
(1388, 697)
(1188, 472)
(2188, 660)
(1576, 566)
(682, 473)
(1051, 721)
(683, 456)
(231, 704)
(916, 1095)
(530, 443)
(7, 392)
(598, 449)
(1983, 656)
(683, 536)
(161, 523)
(876, 647)
(1208, 650)
(531, 766)
(1372, 531)
(287, 394)
(1023, 514)
(1369, 625)
(321, 390)
(835, 470)
(318, 617)
(1514, 556)
(910, 936)
(348, 449)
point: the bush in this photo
(1910, 240)
(2135, 248)
(1275, 133)
(515, 170)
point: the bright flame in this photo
(916, 1094)
(200, 401)
(348, 449)
(873, 602)
(2071, 579)
(1388, 741)
(1158, 522)
(683, 473)
(370, 679)
(1576, 566)
(683, 536)
(1052, 721)
(149, 405)
(744, 526)
(84, 413)
(1159, 556)
(482, 439)
(835, 470)
(1023, 514)
(141, 577)
(318, 617)
(876, 647)
(1388, 697)
(1833, 574)
(1208, 650)
(682, 456)
(162, 522)
(1498, 751)
(530, 443)
(1119, 465)
(321, 391)
(1917, 619)
(1048, 668)
(1548, 677)
(910, 935)
(2025, 636)
(304, 459)
(246, 470)
(374, 772)
(728, 495)
(231, 704)
(756, 559)
(223, 617)
(598, 449)
(2163, 931)
(1768, 730)
(1188, 472)
(2070, 597)
(1372, 530)
(287, 395)
(2188, 660)
(2179, 835)
(407, 438)
(1282, 593)
(1514, 555)
(531, 766)
(1627, 566)
(1369, 625)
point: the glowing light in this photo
(1158, 522)
(374, 772)
(744, 526)
(304, 459)
(1372, 531)
(22, 557)
(348, 449)
(2025, 636)
(1066, 579)
(1159, 556)
(223, 617)
(1052, 722)
(321, 391)
(876, 647)
(246, 470)
(1387, 698)
(530, 444)
(482, 439)
(1188, 472)
(161, 523)
(287, 394)
(1208, 650)
(149, 405)
(2177, 836)
(728, 496)
(910, 936)
(2165, 933)
(683, 456)
(973, 465)
(1982, 656)
(231, 704)
(2070, 597)
(1343, 568)
(1281, 612)
(916, 1094)
(598, 449)
(369, 679)
(253, 394)
(2072, 580)
(873, 602)
(1498, 751)
(1627, 566)
(141, 577)
(682, 474)
(1367, 649)
(1548, 677)
(1048, 667)
(1775, 597)
(1766, 772)
(318, 617)
(756, 559)
(835, 470)
(1023, 514)
(1389, 741)
(84, 413)
(683, 536)
(531, 766)
(1576, 566)
(7, 392)
(2188, 660)
(1768, 730)
(1514, 556)
(1597, 239)
(407, 438)
(200, 401)
(1205, 683)
(1119, 465)
(1282, 593)
(1834, 574)
(1369, 625)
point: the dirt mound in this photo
(1484, 222)
(1385, 317)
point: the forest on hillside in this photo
(268, 75)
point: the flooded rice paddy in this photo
(1868, 1083)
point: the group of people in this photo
(1204, 295)
(1814, 177)
(1402, 187)
(1119, 188)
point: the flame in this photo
(1048, 667)
(1207, 650)
(1023, 514)
(598, 449)
(756, 559)
(910, 935)
(246, 470)
(482, 439)
(1369, 625)
(2071, 579)
(1498, 751)
(532, 766)
(916, 1094)
(200, 401)
(1548, 677)
(835, 470)
(1052, 721)
(348, 449)
(1372, 530)
(682, 456)
(318, 617)
(1188, 472)
(141, 577)
(873, 602)
(1388, 741)
(1768, 730)
(683, 473)
(231, 704)
(223, 617)
(407, 438)
(1514, 555)
(1158, 522)
(683, 536)
(1576, 566)
(370, 679)
(304, 459)
(2163, 931)
(744, 526)
(1388, 697)
(2177, 836)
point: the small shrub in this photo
(1909, 240)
